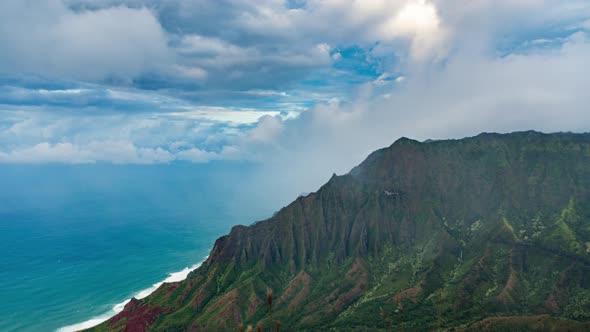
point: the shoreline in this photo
(117, 308)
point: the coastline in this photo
(94, 321)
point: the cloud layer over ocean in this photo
(281, 83)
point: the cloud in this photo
(311, 89)
(196, 155)
(267, 93)
(48, 38)
(192, 44)
(196, 73)
(220, 114)
(15, 95)
(202, 45)
(112, 152)
(419, 22)
(245, 45)
(542, 89)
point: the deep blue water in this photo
(77, 240)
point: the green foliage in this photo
(498, 223)
(578, 307)
(563, 235)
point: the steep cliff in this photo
(469, 234)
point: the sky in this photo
(301, 88)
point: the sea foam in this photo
(117, 308)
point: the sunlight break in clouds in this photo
(419, 22)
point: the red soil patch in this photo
(472, 280)
(189, 285)
(221, 311)
(332, 295)
(410, 293)
(357, 273)
(198, 300)
(505, 296)
(559, 294)
(297, 290)
(137, 316)
(254, 304)
(227, 299)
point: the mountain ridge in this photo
(481, 222)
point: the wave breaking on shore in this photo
(117, 308)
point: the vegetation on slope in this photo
(466, 234)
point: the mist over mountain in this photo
(482, 233)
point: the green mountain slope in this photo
(476, 234)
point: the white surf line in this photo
(172, 277)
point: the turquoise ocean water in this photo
(76, 241)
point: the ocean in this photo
(78, 241)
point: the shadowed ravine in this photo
(474, 234)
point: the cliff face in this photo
(419, 235)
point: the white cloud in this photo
(28, 95)
(364, 22)
(246, 44)
(48, 38)
(473, 90)
(199, 45)
(266, 131)
(544, 89)
(63, 92)
(267, 93)
(221, 114)
(192, 72)
(382, 79)
(107, 151)
(44, 152)
(196, 155)
(419, 22)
